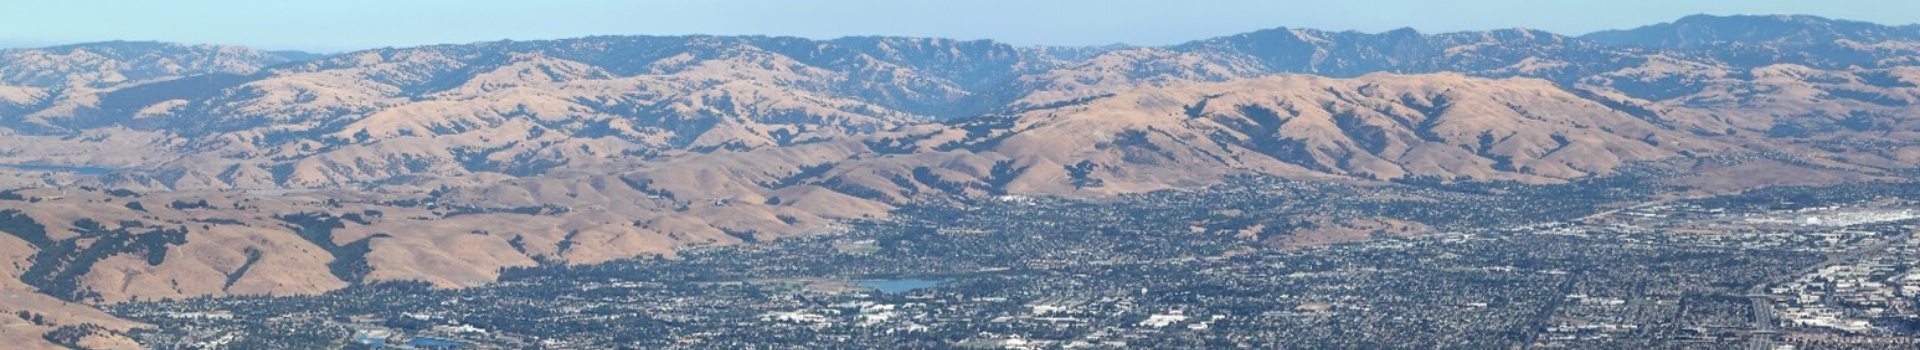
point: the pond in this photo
(893, 286)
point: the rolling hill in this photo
(209, 171)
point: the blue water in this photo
(425, 342)
(900, 285)
(76, 169)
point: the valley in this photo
(1043, 274)
(189, 195)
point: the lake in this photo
(900, 285)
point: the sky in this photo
(342, 25)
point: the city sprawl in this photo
(1589, 265)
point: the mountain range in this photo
(196, 170)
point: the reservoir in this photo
(894, 286)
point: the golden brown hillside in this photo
(136, 171)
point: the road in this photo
(1763, 308)
(1609, 212)
(1545, 315)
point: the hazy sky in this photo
(336, 25)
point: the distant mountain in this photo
(439, 115)
(1500, 53)
(1704, 31)
(523, 108)
(104, 64)
(1752, 41)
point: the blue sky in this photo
(337, 25)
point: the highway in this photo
(1762, 338)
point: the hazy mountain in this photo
(446, 115)
(1751, 41)
(1707, 31)
(522, 107)
(104, 64)
(1348, 54)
